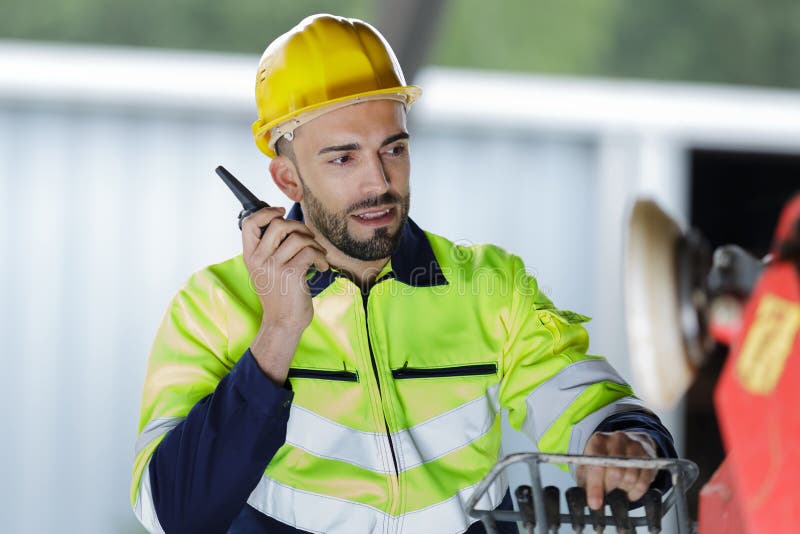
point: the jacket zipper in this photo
(377, 379)
(439, 372)
(345, 376)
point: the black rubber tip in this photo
(576, 502)
(598, 518)
(552, 507)
(617, 500)
(524, 496)
(652, 510)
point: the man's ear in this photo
(285, 175)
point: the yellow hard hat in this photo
(322, 64)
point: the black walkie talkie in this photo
(250, 202)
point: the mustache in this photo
(371, 202)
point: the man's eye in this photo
(342, 160)
(396, 150)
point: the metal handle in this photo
(683, 473)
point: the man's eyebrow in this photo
(396, 137)
(355, 146)
(339, 148)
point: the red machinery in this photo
(757, 399)
(752, 306)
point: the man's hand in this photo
(277, 263)
(600, 480)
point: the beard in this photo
(333, 225)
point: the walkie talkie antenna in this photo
(250, 202)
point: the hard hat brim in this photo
(266, 138)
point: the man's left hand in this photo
(600, 480)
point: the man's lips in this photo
(376, 216)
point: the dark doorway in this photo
(736, 197)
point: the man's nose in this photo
(376, 180)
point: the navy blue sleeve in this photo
(641, 421)
(203, 471)
(649, 423)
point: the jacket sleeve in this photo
(554, 391)
(209, 424)
(650, 424)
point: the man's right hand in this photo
(278, 263)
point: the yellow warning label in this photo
(768, 344)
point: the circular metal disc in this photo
(661, 366)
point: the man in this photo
(366, 396)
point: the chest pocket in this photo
(323, 374)
(477, 369)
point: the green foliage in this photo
(571, 37)
(755, 42)
(730, 41)
(221, 25)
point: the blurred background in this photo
(539, 123)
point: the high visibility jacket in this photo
(391, 414)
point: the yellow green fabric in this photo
(491, 311)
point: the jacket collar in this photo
(413, 262)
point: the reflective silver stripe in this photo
(444, 433)
(451, 515)
(419, 444)
(144, 508)
(328, 439)
(339, 516)
(154, 429)
(548, 400)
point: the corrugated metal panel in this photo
(529, 193)
(105, 214)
